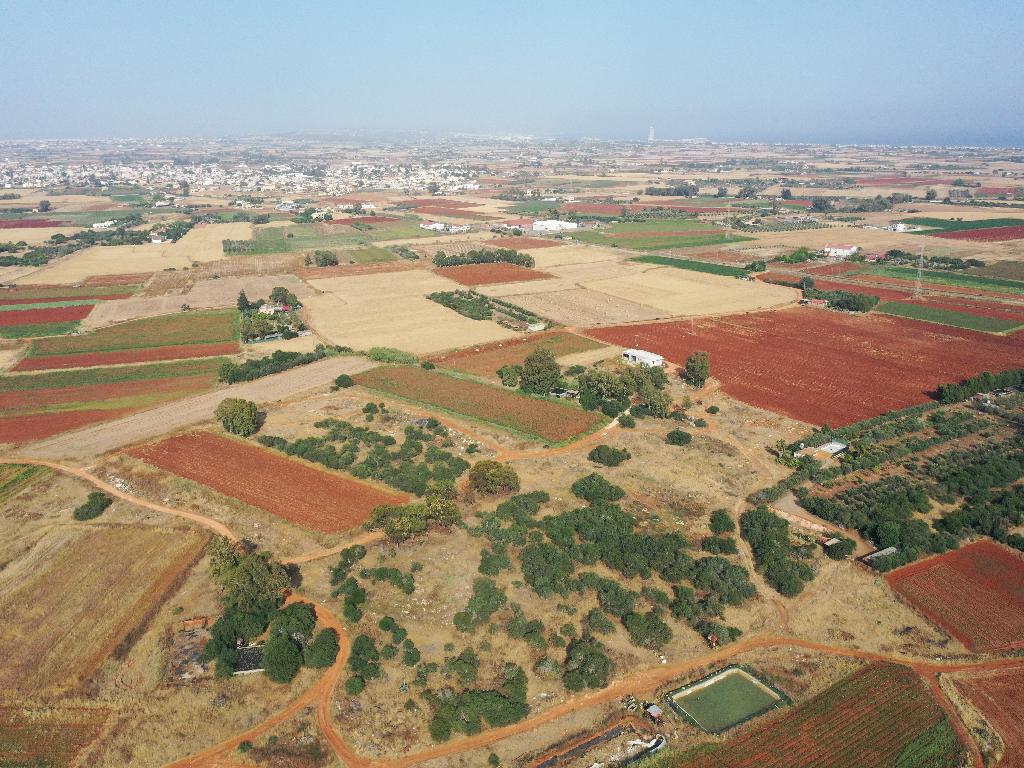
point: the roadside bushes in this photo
(768, 536)
(232, 372)
(94, 506)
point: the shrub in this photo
(426, 365)
(627, 421)
(722, 522)
(355, 685)
(492, 477)
(595, 489)
(93, 506)
(391, 355)
(344, 381)
(701, 423)
(610, 457)
(239, 417)
(713, 409)
(678, 437)
(719, 545)
(586, 665)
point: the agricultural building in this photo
(250, 659)
(643, 358)
(880, 553)
(839, 251)
(554, 225)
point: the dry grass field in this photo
(392, 310)
(680, 292)
(35, 235)
(78, 605)
(545, 258)
(203, 242)
(580, 307)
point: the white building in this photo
(104, 224)
(898, 226)
(839, 251)
(434, 226)
(643, 358)
(554, 225)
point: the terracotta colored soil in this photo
(909, 285)
(833, 269)
(37, 398)
(144, 355)
(523, 243)
(364, 220)
(50, 315)
(5, 301)
(885, 294)
(998, 695)
(548, 420)
(133, 279)
(30, 223)
(826, 367)
(987, 235)
(975, 593)
(458, 213)
(486, 360)
(18, 429)
(486, 274)
(321, 500)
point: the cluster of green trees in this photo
(94, 505)
(238, 246)
(401, 522)
(609, 456)
(685, 189)
(612, 392)
(477, 306)
(492, 477)
(404, 582)
(417, 466)
(483, 256)
(322, 258)
(467, 711)
(768, 536)
(252, 587)
(256, 325)
(983, 382)
(232, 372)
(486, 600)
(847, 301)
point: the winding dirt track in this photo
(322, 691)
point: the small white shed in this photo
(643, 358)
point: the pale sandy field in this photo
(205, 294)
(8, 356)
(545, 258)
(203, 242)
(580, 307)
(390, 309)
(35, 235)
(298, 344)
(683, 293)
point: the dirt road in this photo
(137, 427)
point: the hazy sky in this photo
(829, 71)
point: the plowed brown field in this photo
(145, 355)
(321, 500)
(975, 593)
(487, 274)
(826, 367)
(998, 694)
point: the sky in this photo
(831, 71)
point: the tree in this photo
(586, 665)
(282, 658)
(698, 368)
(492, 477)
(44, 206)
(281, 295)
(842, 549)
(322, 652)
(510, 375)
(238, 416)
(243, 303)
(721, 522)
(540, 372)
(722, 192)
(787, 193)
(93, 507)
(610, 457)
(595, 489)
(821, 204)
(930, 194)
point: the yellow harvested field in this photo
(580, 307)
(683, 293)
(81, 601)
(35, 235)
(203, 242)
(546, 258)
(391, 310)
(107, 260)
(298, 344)
(204, 294)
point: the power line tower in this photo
(918, 290)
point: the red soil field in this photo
(364, 219)
(37, 398)
(133, 279)
(457, 213)
(825, 367)
(885, 294)
(4, 301)
(997, 694)
(995, 190)
(485, 274)
(548, 420)
(485, 360)
(522, 243)
(437, 202)
(831, 269)
(144, 355)
(987, 235)
(975, 593)
(29, 223)
(868, 719)
(35, 426)
(320, 500)
(16, 317)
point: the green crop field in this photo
(80, 377)
(37, 330)
(46, 305)
(532, 207)
(947, 225)
(957, 279)
(368, 255)
(694, 266)
(67, 292)
(948, 317)
(732, 697)
(309, 237)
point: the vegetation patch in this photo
(949, 317)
